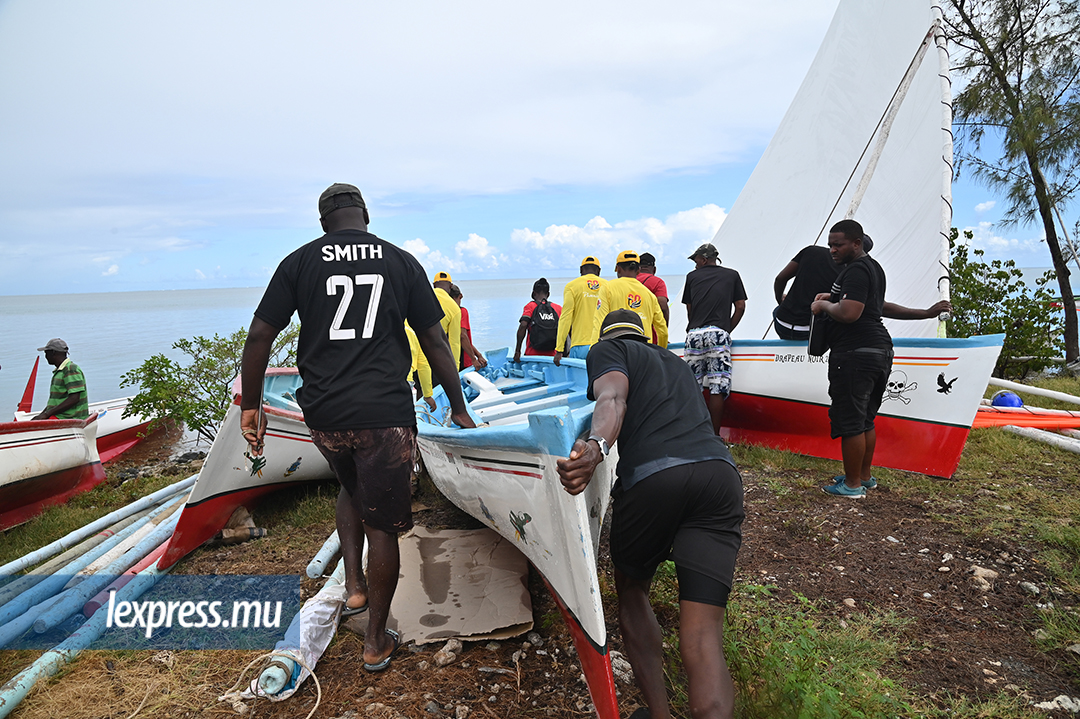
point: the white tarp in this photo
(797, 191)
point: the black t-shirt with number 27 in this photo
(353, 292)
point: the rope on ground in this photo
(236, 700)
(149, 690)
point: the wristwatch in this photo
(601, 443)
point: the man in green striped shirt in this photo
(67, 392)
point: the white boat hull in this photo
(780, 399)
(44, 463)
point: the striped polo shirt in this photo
(68, 380)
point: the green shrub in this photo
(992, 299)
(198, 391)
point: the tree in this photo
(993, 299)
(1021, 60)
(199, 392)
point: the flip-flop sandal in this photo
(348, 611)
(385, 662)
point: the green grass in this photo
(794, 658)
(1068, 385)
(791, 660)
(81, 510)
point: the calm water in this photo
(111, 333)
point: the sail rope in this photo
(886, 119)
(898, 93)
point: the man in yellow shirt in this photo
(626, 293)
(451, 321)
(581, 299)
(420, 367)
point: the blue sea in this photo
(111, 333)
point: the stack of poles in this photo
(1067, 439)
(115, 553)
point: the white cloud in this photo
(672, 238)
(199, 274)
(113, 270)
(560, 247)
(569, 92)
(1027, 252)
(476, 246)
(984, 206)
(174, 244)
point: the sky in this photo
(184, 145)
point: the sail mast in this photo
(947, 157)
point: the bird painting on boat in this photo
(519, 521)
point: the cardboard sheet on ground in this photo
(470, 584)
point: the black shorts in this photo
(857, 382)
(691, 514)
(375, 467)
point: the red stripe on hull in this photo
(202, 521)
(595, 664)
(29, 497)
(803, 428)
(500, 470)
(111, 446)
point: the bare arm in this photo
(780, 283)
(478, 359)
(611, 390)
(443, 365)
(899, 312)
(67, 404)
(737, 315)
(257, 348)
(846, 311)
(663, 301)
(522, 326)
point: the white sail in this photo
(854, 139)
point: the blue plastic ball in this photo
(1006, 398)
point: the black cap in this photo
(622, 323)
(647, 260)
(706, 250)
(341, 195)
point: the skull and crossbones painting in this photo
(897, 386)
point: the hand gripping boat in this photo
(504, 474)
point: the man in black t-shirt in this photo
(715, 302)
(860, 353)
(353, 292)
(814, 271)
(678, 496)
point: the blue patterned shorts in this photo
(708, 352)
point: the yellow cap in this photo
(627, 256)
(442, 277)
(590, 260)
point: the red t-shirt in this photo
(526, 314)
(466, 360)
(655, 285)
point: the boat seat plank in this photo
(524, 395)
(515, 385)
(521, 410)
